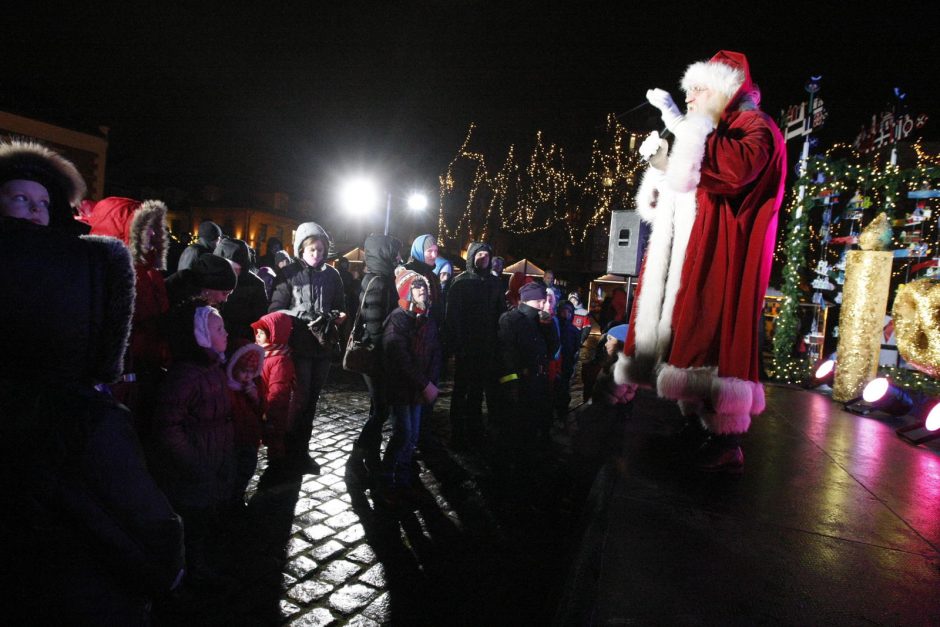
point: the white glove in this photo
(650, 146)
(655, 149)
(661, 99)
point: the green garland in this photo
(884, 184)
(786, 366)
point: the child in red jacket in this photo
(272, 333)
(246, 389)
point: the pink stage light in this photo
(883, 395)
(875, 390)
(932, 423)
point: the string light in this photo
(881, 185)
(542, 195)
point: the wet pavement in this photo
(834, 520)
(318, 550)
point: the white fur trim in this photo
(727, 424)
(718, 76)
(684, 384)
(685, 160)
(647, 195)
(731, 395)
(758, 404)
(151, 213)
(620, 370)
(672, 222)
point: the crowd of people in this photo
(138, 396)
(168, 381)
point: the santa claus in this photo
(712, 200)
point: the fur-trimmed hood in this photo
(129, 220)
(30, 161)
(69, 321)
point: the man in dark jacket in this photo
(90, 536)
(379, 297)
(208, 239)
(248, 301)
(267, 259)
(312, 292)
(474, 304)
(527, 339)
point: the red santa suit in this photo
(713, 211)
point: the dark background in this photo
(294, 96)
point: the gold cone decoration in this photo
(916, 315)
(877, 235)
(864, 304)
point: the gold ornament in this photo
(877, 235)
(864, 303)
(916, 315)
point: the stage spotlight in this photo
(823, 373)
(926, 428)
(884, 396)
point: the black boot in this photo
(721, 453)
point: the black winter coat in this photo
(304, 293)
(474, 303)
(194, 437)
(86, 532)
(525, 348)
(246, 304)
(192, 253)
(379, 297)
(411, 355)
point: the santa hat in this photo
(727, 73)
(403, 283)
(30, 161)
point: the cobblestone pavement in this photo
(317, 550)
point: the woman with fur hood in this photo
(40, 186)
(712, 202)
(142, 228)
(88, 536)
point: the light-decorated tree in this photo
(798, 248)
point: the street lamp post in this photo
(359, 196)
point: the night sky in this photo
(274, 97)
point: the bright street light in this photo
(417, 202)
(359, 196)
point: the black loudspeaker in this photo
(628, 236)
